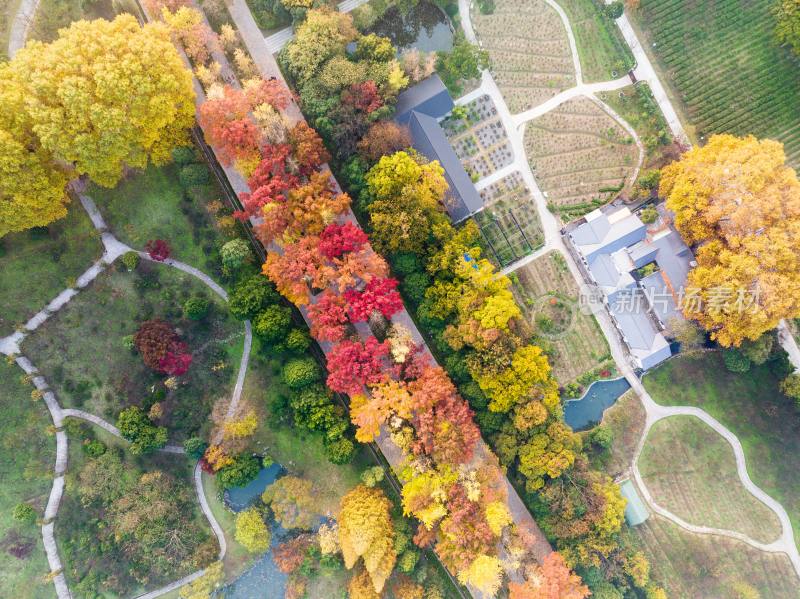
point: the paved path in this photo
(10, 346)
(789, 344)
(644, 71)
(514, 125)
(21, 25)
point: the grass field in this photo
(573, 340)
(75, 525)
(752, 407)
(580, 156)
(81, 351)
(27, 456)
(601, 48)
(625, 419)
(150, 204)
(529, 51)
(40, 263)
(691, 471)
(726, 66)
(637, 106)
(691, 566)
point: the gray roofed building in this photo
(420, 108)
(427, 137)
(429, 96)
(614, 246)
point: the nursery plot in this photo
(479, 138)
(509, 223)
(727, 67)
(529, 51)
(548, 294)
(580, 156)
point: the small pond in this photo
(239, 498)
(584, 413)
(425, 27)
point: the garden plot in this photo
(548, 295)
(691, 471)
(509, 223)
(479, 138)
(529, 51)
(580, 156)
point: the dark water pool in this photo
(584, 413)
(239, 498)
(263, 580)
(424, 27)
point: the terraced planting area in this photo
(692, 566)
(510, 223)
(676, 463)
(529, 51)
(602, 50)
(580, 156)
(548, 294)
(727, 67)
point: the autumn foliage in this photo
(379, 295)
(161, 348)
(353, 364)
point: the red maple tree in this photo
(363, 96)
(157, 249)
(328, 317)
(270, 183)
(379, 295)
(353, 364)
(309, 151)
(337, 239)
(227, 126)
(268, 91)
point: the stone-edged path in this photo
(514, 125)
(10, 346)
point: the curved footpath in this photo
(514, 125)
(10, 346)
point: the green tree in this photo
(144, 436)
(196, 308)
(735, 360)
(251, 531)
(24, 513)
(244, 469)
(465, 61)
(300, 372)
(273, 323)
(787, 28)
(234, 254)
(249, 296)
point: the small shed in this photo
(635, 510)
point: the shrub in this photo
(791, 386)
(251, 531)
(196, 308)
(24, 513)
(158, 249)
(298, 341)
(339, 451)
(193, 175)
(408, 561)
(758, 351)
(648, 215)
(130, 260)
(128, 342)
(244, 469)
(615, 9)
(195, 447)
(735, 361)
(143, 435)
(405, 263)
(649, 179)
(93, 448)
(414, 286)
(602, 436)
(184, 155)
(300, 372)
(273, 323)
(372, 476)
(234, 254)
(249, 296)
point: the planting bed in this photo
(529, 51)
(509, 223)
(579, 155)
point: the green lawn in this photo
(725, 63)
(27, 456)
(81, 351)
(85, 566)
(751, 406)
(625, 419)
(38, 264)
(601, 48)
(691, 471)
(151, 204)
